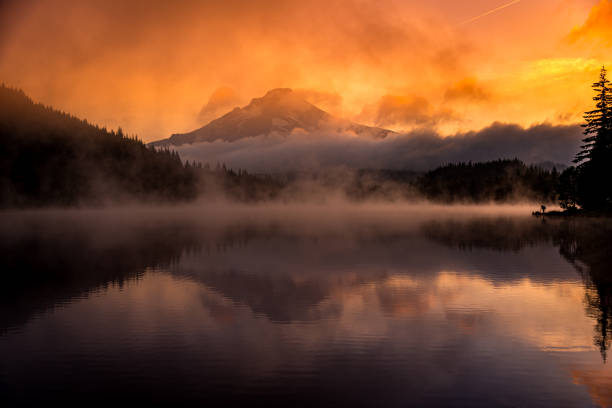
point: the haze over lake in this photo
(386, 305)
(349, 203)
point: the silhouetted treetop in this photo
(598, 126)
(589, 184)
(499, 181)
(52, 158)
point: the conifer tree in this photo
(598, 126)
(594, 170)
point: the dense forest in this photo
(52, 158)
(498, 181)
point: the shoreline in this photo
(573, 214)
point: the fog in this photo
(66, 253)
(333, 216)
(275, 294)
(419, 150)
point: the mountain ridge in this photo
(280, 111)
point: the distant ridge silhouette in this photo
(280, 111)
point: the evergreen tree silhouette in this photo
(598, 126)
(594, 186)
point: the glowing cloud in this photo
(598, 25)
(150, 67)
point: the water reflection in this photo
(584, 243)
(368, 310)
(587, 246)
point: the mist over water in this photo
(305, 203)
(400, 305)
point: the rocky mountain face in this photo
(279, 112)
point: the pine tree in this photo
(594, 185)
(598, 126)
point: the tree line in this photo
(494, 181)
(49, 157)
(52, 158)
(587, 186)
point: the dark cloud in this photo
(418, 150)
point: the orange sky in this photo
(152, 66)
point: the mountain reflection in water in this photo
(392, 307)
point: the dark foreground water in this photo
(305, 307)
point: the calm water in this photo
(310, 306)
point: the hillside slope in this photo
(48, 157)
(281, 111)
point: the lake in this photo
(305, 306)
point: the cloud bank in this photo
(221, 101)
(151, 66)
(419, 150)
(401, 110)
(598, 25)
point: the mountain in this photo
(280, 111)
(48, 157)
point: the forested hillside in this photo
(52, 158)
(499, 181)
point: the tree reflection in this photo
(281, 274)
(583, 242)
(586, 245)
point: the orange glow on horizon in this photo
(152, 67)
